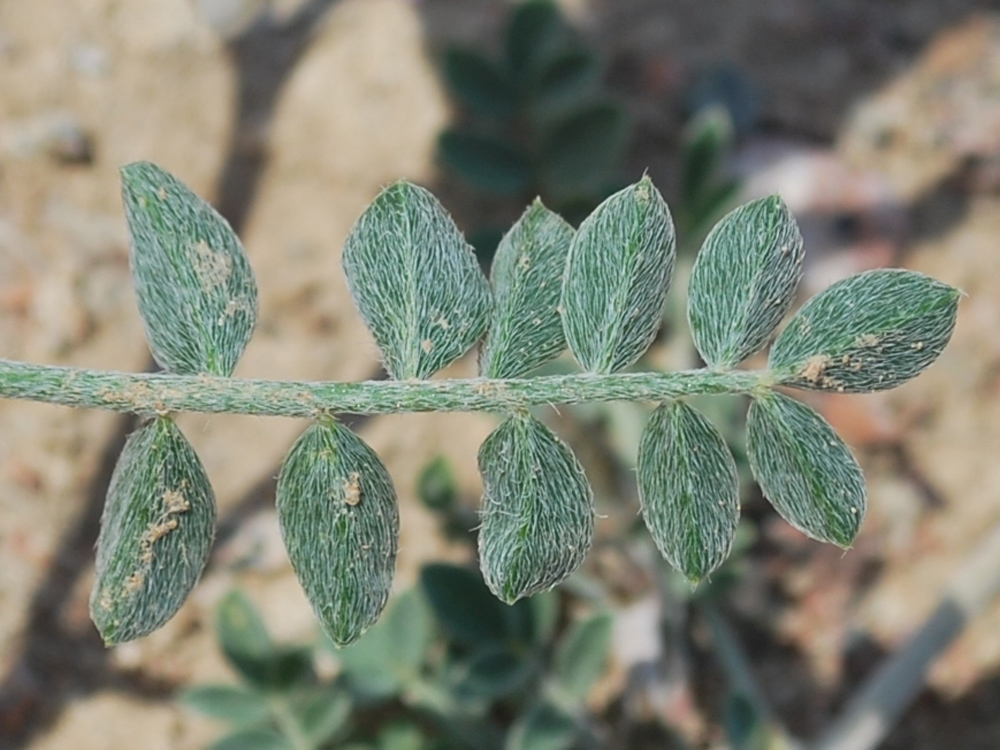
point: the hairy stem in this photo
(146, 394)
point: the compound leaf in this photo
(478, 83)
(617, 275)
(196, 292)
(688, 489)
(582, 655)
(805, 470)
(527, 331)
(488, 163)
(156, 533)
(538, 509)
(744, 281)
(869, 332)
(339, 519)
(416, 282)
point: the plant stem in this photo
(147, 394)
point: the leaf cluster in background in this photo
(449, 666)
(537, 120)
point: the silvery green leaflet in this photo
(598, 290)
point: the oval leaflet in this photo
(156, 533)
(688, 489)
(339, 519)
(805, 470)
(538, 509)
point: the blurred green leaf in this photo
(570, 77)
(323, 714)
(156, 533)
(582, 655)
(580, 155)
(544, 616)
(436, 485)
(463, 604)
(805, 470)
(393, 652)
(688, 490)
(526, 330)
(248, 648)
(253, 739)
(478, 83)
(228, 703)
(707, 139)
(619, 269)
(869, 332)
(416, 281)
(535, 33)
(487, 163)
(544, 727)
(401, 736)
(340, 524)
(497, 671)
(194, 285)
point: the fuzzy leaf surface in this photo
(744, 281)
(869, 332)
(538, 509)
(416, 282)
(617, 275)
(526, 330)
(688, 489)
(196, 291)
(805, 470)
(156, 532)
(339, 519)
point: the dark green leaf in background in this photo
(490, 164)
(582, 656)
(236, 705)
(253, 739)
(323, 713)
(478, 83)
(543, 727)
(436, 486)
(196, 292)
(805, 470)
(617, 276)
(567, 79)
(580, 153)
(688, 489)
(463, 604)
(744, 281)
(535, 34)
(526, 330)
(869, 332)
(339, 519)
(156, 532)
(416, 281)
(538, 509)
(247, 646)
